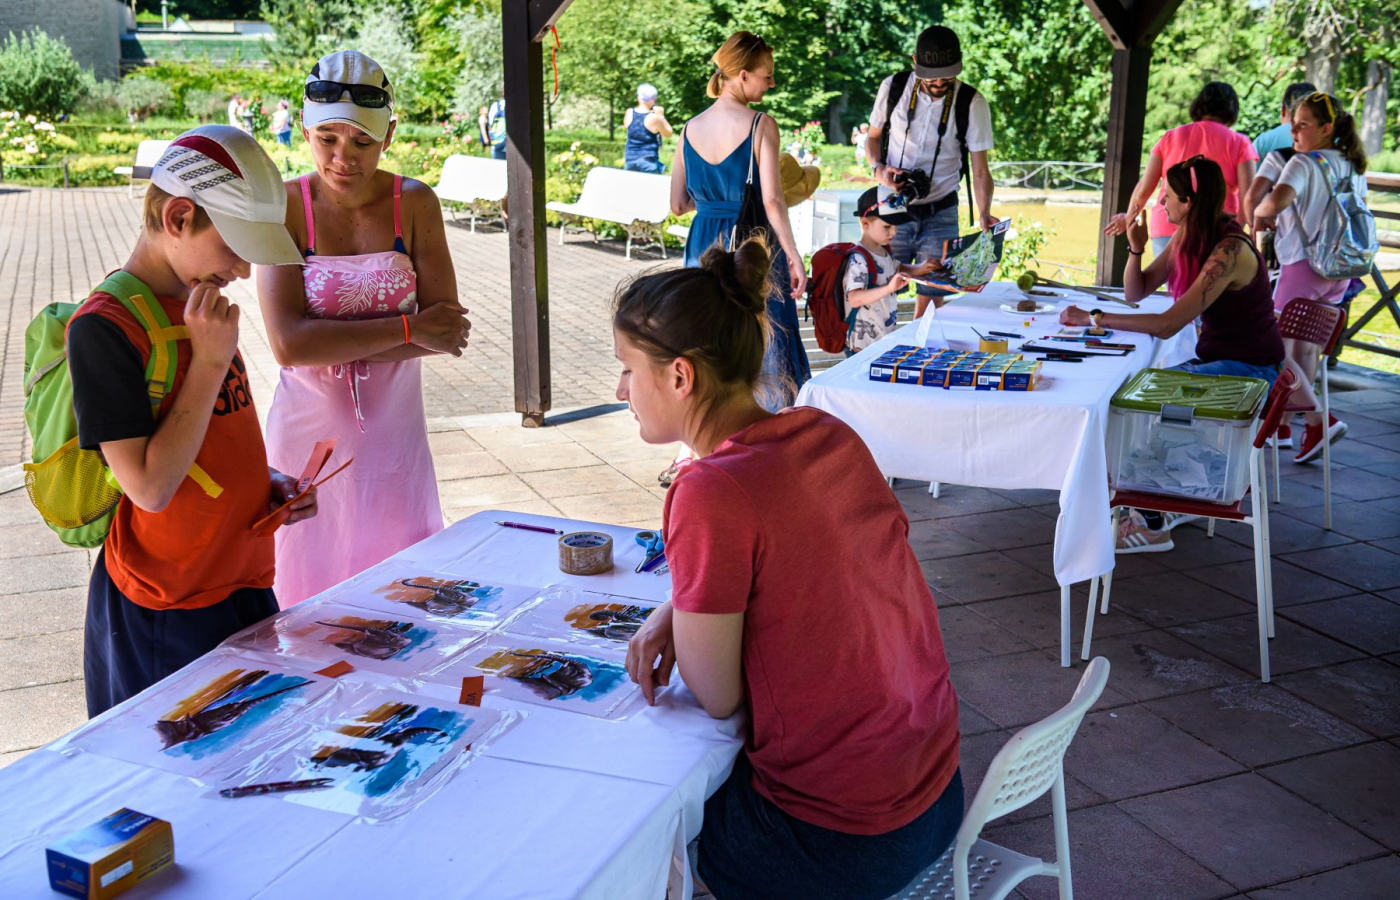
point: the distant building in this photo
(92, 28)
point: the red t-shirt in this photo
(199, 549)
(854, 721)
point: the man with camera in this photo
(929, 131)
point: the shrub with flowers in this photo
(808, 139)
(26, 140)
(573, 165)
(460, 129)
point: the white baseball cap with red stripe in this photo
(227, 174)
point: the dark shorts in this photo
(751, 850)
(127, 648)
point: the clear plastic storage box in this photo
(1184, 435)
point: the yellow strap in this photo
(160, 368)
(201, 478)
(171, 333)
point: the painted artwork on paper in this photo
(397, 590)
(446, 597)
(380, 639)
(587, 617)
(553, 673)
(376, 752)
(226, 710)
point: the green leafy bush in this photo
(39, 75)
(205, 105)
(142, 96)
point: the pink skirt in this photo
(1298, 279)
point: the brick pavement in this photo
(1190, 781)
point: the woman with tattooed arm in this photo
(1214, 273)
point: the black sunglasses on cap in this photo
(365, 95)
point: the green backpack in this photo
(71, 487)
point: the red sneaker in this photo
(1312, 439)
(1284, 437)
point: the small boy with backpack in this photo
(167, 438)
(855, 287)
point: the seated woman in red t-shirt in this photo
(796, 593)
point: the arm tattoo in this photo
(1221, 264)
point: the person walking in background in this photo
(646, 126)
(235, 111)
(1328, 153)
(1280, 137)
(1209, 134)
(377, 294)
(859, 134)
(282, 124)
(491, 122)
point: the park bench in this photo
(148, 153)
(635, 200)
(477, 182)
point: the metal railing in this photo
(62, 165)
(1048, 174)
(1385, 183)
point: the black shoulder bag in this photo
(752, 217)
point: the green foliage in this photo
(307, 29)
(479, 65)
(205, 105)
(384, 36)
(39, 75)
(1024, 242)
(142, 96)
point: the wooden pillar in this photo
(522, 22)
(1123, 157)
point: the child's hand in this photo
(213, 325)
(284, 488)
(898, 282)
(925, 267)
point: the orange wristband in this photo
(405, 330)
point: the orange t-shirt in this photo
(199, 549)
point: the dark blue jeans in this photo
(127, 648)
(752, 850)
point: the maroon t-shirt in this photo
(854, 723)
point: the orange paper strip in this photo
(270, 523)
(473, 686)
(336, 669)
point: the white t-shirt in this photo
(912, 147)
(234, 117)
(1301, 220)
(879, 318)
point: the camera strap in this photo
(948, 103)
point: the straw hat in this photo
(799, 181)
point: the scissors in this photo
(654, 547)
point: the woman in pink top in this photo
(795, 593)
(1210, 134)
(377, 293)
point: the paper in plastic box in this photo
(106, 858)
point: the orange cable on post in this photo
(554, 61)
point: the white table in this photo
(1052, 437)
(562, 806)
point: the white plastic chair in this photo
(148, 153)
(1030, 764)
(477, 182)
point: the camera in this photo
(914, 184)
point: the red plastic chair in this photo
(1274, 409)
(1318, 323)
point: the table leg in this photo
(935, 488)
(1064, 626)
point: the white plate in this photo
(1040, 309)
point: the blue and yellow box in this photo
(1017, 376)
(106, 858)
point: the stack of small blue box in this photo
(956, 369)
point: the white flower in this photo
(31, 148)
(43, 126)
(31, 118)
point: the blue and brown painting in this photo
(381, 750)
(551, 675)
(216, 716)
(445, 597)
(381, 639)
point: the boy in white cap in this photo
(181, 569)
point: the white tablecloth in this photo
(562, 806)
(1052, 437)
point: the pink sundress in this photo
(388, 499)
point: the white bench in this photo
(635, 200)
(148, 153)
(477, 182)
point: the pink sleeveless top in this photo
(388, 499)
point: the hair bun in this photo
(743, 274)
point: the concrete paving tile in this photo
(1374, 879)
(1362, 566)
(474, 464)
(1172, 598)
(932, 539)
(13, 756)
(38, 539)
(15, 509)
(1361, 693)
(1364, 621)
(642, 473)
(1382, 412)
(1362, 398)
(1022, 688)
(1250, 831)
(634, 505)
(1004, 529)
(44, 573)
(1353, 484)
(1361, 454)
(1193, 549)
(631, 449)
(501, 438)
(1292, 585)
(971, 722)
(559, 483)
(1131, 751)
(1042, 559)
(1112, 857)
(1286, 535)
(487, 490)
(953, 500)
(1155, 664)
(33, 716)
(967, 635)
(1293, 647)
(1035, 618)
(42, 612)
(1358, 521)
(1359, 785)
(535, 507)
(540, 458)
(442, 443)
(1389, 440)
(1029, 496)
(1389, 470)
(1257, 724)
(984, 576)
(35, 659)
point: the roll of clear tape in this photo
(585, 553)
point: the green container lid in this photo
(1207, 396)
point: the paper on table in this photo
(403, 590)
(584, 617)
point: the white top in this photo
(234, 118)
(879, 318)
(1299, 223)
(281, 121)
(912, 146)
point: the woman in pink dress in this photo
(1210, 134)
(377, 293)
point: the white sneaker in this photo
(1171, 520)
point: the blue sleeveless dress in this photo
(718, 192)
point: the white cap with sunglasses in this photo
(347, 86)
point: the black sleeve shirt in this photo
(109, 383)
